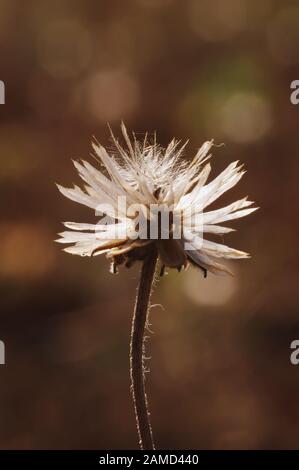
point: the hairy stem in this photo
(137, 371)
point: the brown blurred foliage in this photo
(220, 370)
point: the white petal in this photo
(202, 154)
(237, 215)
(73, 237)
(222, 251)
(79, 226)
(210, 192)
(200, 180)
(105, 192)
(96, 227)
(220, 185)
(217, 229)
(206, 262)
(216, 216)
(82, 248)
(76, 194)
(110, 232)
(116, 174)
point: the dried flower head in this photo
(151, 203)
(170, 196)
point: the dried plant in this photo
(152, 205)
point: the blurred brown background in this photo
(220, 370)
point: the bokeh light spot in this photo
(111, 94)
(222, 22)
(64, 48)
(26, 251)
(283, 36)
(216, 290)
(245, 117)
